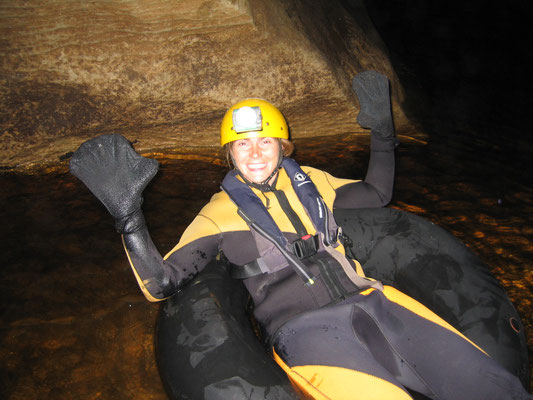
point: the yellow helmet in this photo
(252, 118)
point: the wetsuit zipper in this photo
(337, 291)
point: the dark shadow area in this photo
(469, 57)
(466, 70)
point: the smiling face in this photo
(256, 157)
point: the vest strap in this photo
(304, 247)
(300, 268)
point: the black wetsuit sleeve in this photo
(159, 278)
(372, 90)
(376, 189)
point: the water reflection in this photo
(75, 325)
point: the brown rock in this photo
(162, 73)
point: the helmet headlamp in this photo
(246, 119)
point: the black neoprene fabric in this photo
(372, 90)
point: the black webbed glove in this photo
(112, 170)
(372, 90)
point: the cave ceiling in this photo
(163, 72)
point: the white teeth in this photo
(256, 166)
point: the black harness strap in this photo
(302, 248)
(299, 267)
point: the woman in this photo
(336, 333)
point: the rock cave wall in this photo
(163, 72)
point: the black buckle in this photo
(306, 246)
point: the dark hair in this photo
(287, 147)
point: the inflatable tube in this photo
(206, 347)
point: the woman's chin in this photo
(258, 177)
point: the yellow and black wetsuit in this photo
(369, 344)
(277, 296)
(218, 227)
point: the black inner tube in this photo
(206, 348)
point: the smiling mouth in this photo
(256, 167)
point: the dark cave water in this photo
(76, 326)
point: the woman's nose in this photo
(256, 151)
